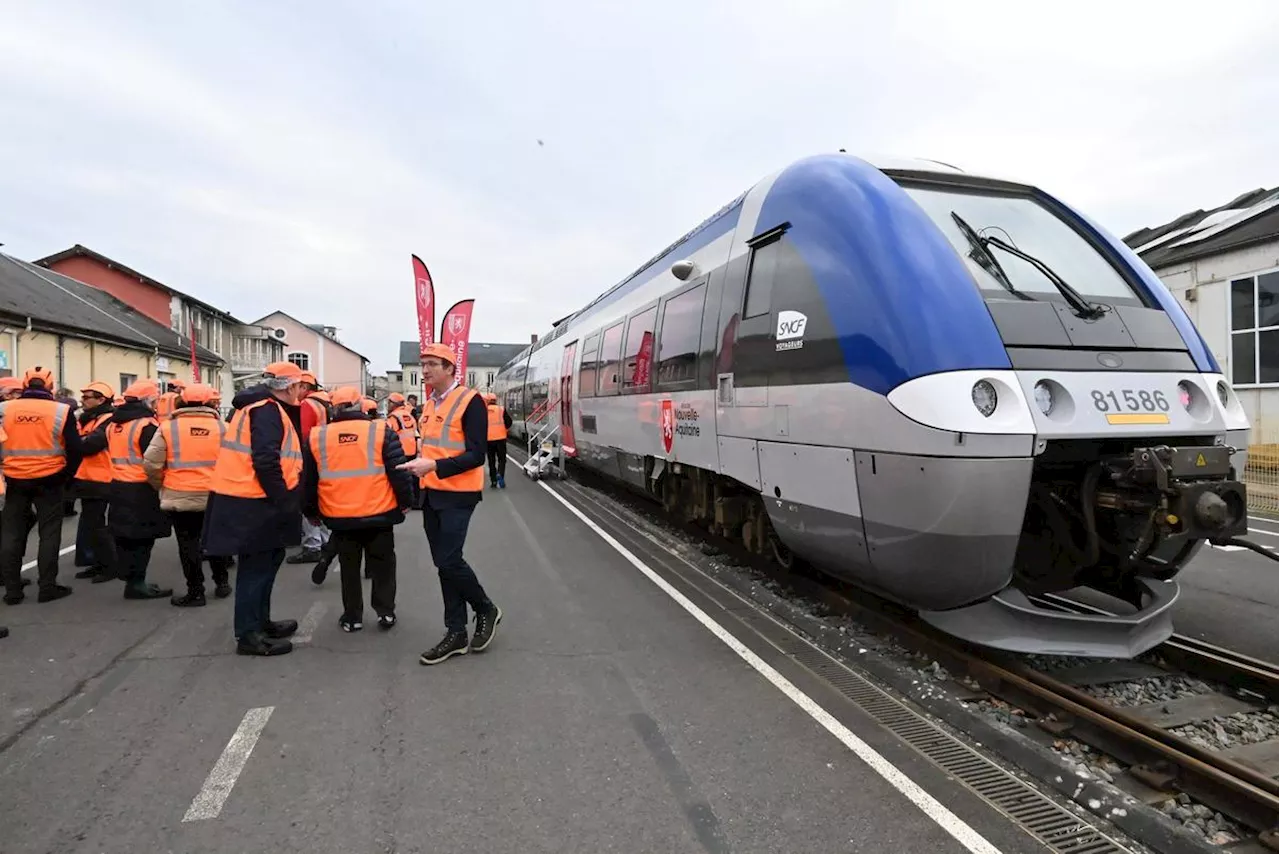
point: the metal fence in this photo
(1260, 473)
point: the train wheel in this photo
(783, 555)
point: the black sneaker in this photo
(146, 590)
(386, 621)
(223, 590)
(91, 572)
(349, 625)
(256, 643)
(454, 643)
(277, 629)
(321, 569)
(192, 599)
(486, 627)
(305, 556)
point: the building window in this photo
(488, 379)
(413, 378)
(1255, 323)
(302, 360)
(471, 379)
(127, 380)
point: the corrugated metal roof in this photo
(1247, 219)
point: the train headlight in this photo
(984, 397)
(1185, 394)
(1044, 397)
(1222, 393)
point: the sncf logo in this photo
(791, 325)
(29, 419)
(199, 431)
(347, 438)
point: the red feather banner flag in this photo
(425, 292)
(195, 364)
(455, 332)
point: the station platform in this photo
(617, 710)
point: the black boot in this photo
(91, 572)
(277, 629)
(327, 553)
(193, 599)
(304, 556)
(256, 643)
(454, 643)
(222, 589)
(53, 593)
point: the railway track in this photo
(1157, 763)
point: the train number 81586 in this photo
(1130, 400)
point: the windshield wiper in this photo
(1082, 306)
(982, 255)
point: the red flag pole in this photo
(195, 365)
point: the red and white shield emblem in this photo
(424, 293)
(668, 425)
(457, 322)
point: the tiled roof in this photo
(57, 302)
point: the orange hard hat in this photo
(440, 351)
(283, 370)
(320, 395)
(396, 397)
(141, 389)
(118, 401)
(369, 404)
(308, 377)
(101, 388)
(176, 383)
(490, 397)
(198, 393)
(10, 384)
(38, 373)
(345, 396)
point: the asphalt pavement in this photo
(604, 717)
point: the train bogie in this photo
(844, 367)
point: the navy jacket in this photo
(238, 526)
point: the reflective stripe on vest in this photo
(95, 468)
(33, 447)
(126, 455)
(497, 427)
(192, 445)
(233, 474)
(352, 480)
(443, 437)
(401, 423)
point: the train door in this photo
(744, 354)
(567, 440)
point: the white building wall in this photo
(1203, 288)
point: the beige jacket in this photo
(154, 459)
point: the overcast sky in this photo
(291, 155)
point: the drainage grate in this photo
(1054, 825)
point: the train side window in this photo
(587, 373)
(637, 368)
(764, 266)
(609, 365)
(681, 335)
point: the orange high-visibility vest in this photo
(233, 474)
(192, 444)
(442, 437)
(497, 427)
(95, 468)
(165, 405)
(123, 445)
(34, 447)
(401, 421)
(352, 479)
(3, 436)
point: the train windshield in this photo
(1024, 224)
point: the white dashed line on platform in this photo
(222, 779)
(309, 623)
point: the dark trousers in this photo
(446, 534)
(15, 525)
(133, 556)
(187, 527)
(497, 460)
(377, 547)
(94, 544)
(255, 577)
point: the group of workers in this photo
(291, 458)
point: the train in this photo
(952, 390)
